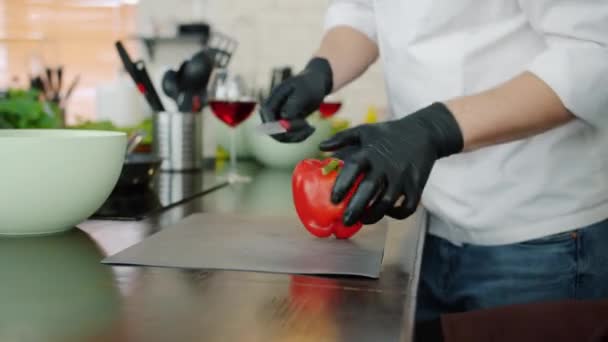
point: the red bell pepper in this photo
(312, 182)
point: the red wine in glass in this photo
(328, 109)
(232, 113)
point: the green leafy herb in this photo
(23, 109)
(145, 125)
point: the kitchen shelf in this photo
(152, 42)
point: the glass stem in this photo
(233, 150)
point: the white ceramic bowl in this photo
(51, 180)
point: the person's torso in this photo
(437, 50)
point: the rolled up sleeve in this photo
(358, 14)
(575, 61)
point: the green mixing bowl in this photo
(52, 179)
(274, 154)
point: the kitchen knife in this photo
(70, 90)
(127, 62)
(50, 83)
(149, 90)
(140, 76)
(281, 126)
(59, 85)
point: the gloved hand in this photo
(297, 97)
(396, 158)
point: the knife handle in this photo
(148, 87)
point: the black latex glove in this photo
(396, 158)
(298, 97)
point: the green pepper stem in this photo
(333, 165)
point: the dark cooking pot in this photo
(139, 170)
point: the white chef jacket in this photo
(435, 50)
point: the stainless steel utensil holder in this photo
(178, 140)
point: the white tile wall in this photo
(270, 33)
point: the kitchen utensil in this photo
(194, 79)
(257, 244)
(197, 71)
(180, 71)
(75, 173)
(188, 85)
(221, 58)
(36, 83)
(70, 90)
(149, 89)
(222, 47)
(165, 191)
(50, 83)
(170, 85)
(127, 62)
(178, 140)
(140, 76)
(281, 126)
(200, 30)
(139, 170)
(44, 86)
(274, 154)
(59, 85)
(129, 203)
(134, 140)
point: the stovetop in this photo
(168, 190)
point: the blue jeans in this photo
(571, 265)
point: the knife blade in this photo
(139, 74)
(281, 126)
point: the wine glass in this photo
(330, 106)
(232, 101)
